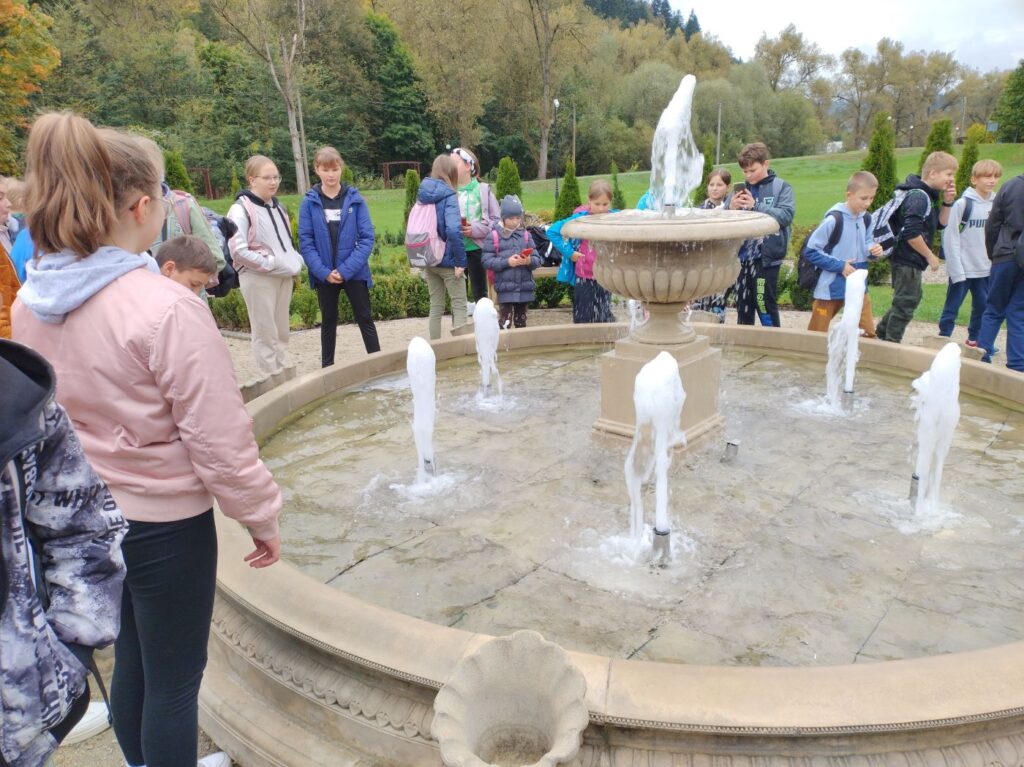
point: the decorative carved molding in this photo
(281, 657)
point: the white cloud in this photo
(989, 35)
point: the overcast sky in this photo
(987, 34)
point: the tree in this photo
(508, 179)
(398, 124)
(175, 172)
(569, 196)
(940, 139)
(348, 177)
(881, 158)
(789, 60)
(27, 57)
(618, 198)
(1009, 113)
(412, 188)
(692, 26)
(277, 35)
(236, 185)
(968, 157)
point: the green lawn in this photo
(927, 311)
(819, 181)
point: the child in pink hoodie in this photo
(147, 379)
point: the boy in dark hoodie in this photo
(335, 240)
(924, 210)
(758, 284)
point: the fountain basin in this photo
(339, 681)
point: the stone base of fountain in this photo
(699, 368)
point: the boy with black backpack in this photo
(841, 244)
(924, 206)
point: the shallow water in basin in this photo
(802, 551)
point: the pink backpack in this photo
(423, 246)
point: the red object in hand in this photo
(464, 221)
(526, 252)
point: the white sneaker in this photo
(93, 723)
(219, 759)
(470, 306)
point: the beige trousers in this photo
(267, 299)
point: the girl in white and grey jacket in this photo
(963, 247)
(266, 262)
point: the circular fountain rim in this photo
(694, 226)
(891, 696)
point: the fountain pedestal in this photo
(666, 260)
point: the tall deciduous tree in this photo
(1010, 109)
(881, 158)
(789, 60)
(27, 57)
(276, 33)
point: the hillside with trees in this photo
(218, 80)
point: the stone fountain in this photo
(666, 258)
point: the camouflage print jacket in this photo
(77, 528)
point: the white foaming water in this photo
(420, 363)
(677, 165)
(937, 402)
(636, 314)
(658, 398)
(843, 342)
(485, 320)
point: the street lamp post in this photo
(554, 166)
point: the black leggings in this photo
(327, 296)
(160, 653)
(477, 273)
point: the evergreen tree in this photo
(399, 122)
(1009, 113)
(508, 181)
(940, 139)
(236, 185)
(347, 176)
(967, 159)
(175, 174)
(881, 158)
(692, 26)
(412, 186)
(618, 198)
(569, 196)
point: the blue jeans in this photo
(1005, 301)
(955, 294)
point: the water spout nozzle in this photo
(669, 208)
(848, 400)
(661, 552)
(429, 467)
(914, 482)
(732, 450)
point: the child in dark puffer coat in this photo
(508, 252)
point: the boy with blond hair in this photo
(840, 245)
(963, 244)
(924, 209)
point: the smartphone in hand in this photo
(740, 187)
(526, 252)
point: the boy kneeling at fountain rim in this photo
(758, 284)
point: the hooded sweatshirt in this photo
(1006, 221)
(963, 242)
(147, 378)
(51, 496)
(917, 216)
(269, 249)
(852, 247)
(449, 220)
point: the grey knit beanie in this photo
(511, 207)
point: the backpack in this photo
(549, 255)
(423, 245)
(885, 233)
(251, 216)
(219, 226)
(807, 273)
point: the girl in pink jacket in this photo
(147, 380)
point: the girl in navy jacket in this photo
(335, 240)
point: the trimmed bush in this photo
(879, 271)
(569, 194)
(618, 198)
(881, 159)
(175, 173)
(236, 185)
(304, 304)
(230, 312)
(940, 139)
(508, 181)
(412, 186)
(549, 293)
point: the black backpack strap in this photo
(965, 214)
(837, 231)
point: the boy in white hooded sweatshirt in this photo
(963, 245)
